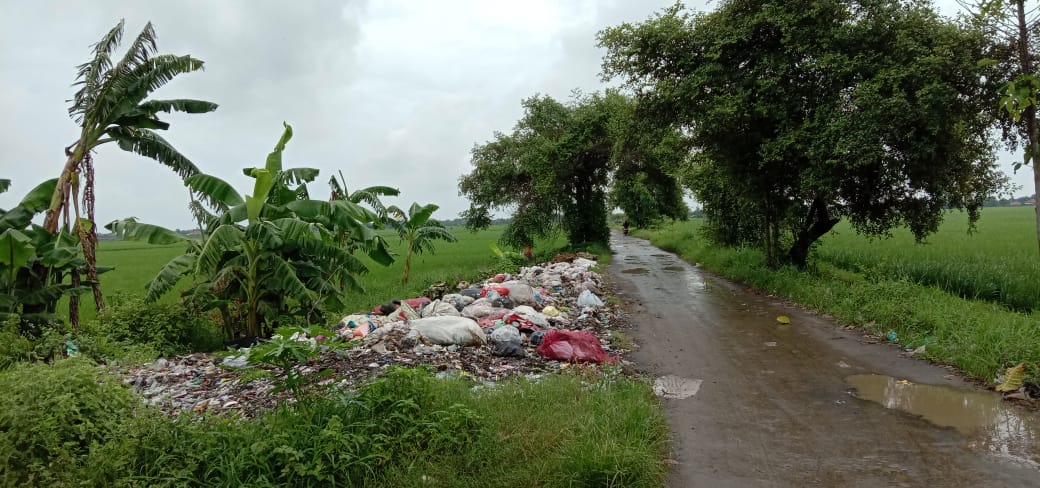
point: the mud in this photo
(773, 407)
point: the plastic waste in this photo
(508, 349)
(588, 299)
(458, 301)
(472, 292)
(449, 330)
(502, 302)
(575, 346)
(1014, 378)
(536, 337)
(892, 336)
(506, 333)
(521, 293)
(71, 350)
(551, 311)
(439, 309)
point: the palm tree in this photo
(418, 231)
(111, 106)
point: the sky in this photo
(390, 92)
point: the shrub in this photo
(51, 416)
(168, 328)
(14, 346)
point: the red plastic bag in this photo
(575, 346)
(500, 278)
(489, 320)
(502, 291)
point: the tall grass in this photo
(978, 336)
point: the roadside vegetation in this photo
(929, 294)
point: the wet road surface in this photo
(809, 403)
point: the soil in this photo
(810, 403)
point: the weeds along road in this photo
(776, 404)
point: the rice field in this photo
(999, 262)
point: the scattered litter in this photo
(675, 387)
(843, 364)
(770, 344)
(892, 336)
(1014, 378)
(783, 319)
(458, 335)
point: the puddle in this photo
(635, 271)
(994, 424)
(673, 268)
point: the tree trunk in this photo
(407, 265)
(1029, 114)
(817, 223)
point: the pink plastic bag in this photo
(501, 290)
(577, 346)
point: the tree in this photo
(271, 254)
(418, 231)
(552, 170)
(815, 111)
(369, 196)
(111, 106)
(1009, 27)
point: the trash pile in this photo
(539, 321)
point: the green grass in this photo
(915, 290)
(406, 429)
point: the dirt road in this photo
(777, 404)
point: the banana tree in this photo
(111, 106)
(271, 253)
(418, 231)
(34, 263)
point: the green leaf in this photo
(5, 184)
(169, 275)
(274, 159)
(986, 62)
(178, 105)
(255, 202)
(214, 189)
(151, 145)
(130, 229)
(16, 248)
(225, 238)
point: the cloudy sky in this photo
(391, 92)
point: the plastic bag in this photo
(501, 290)
(589, 299)
(575, 346)
(521, 293)
(439, 309)
(449, 330)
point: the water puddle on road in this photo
(995, 425)
(673, 268)
(635, 271)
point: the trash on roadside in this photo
(783, 319)
(589, 299)
(675, 387)
(573, 346)
(551, 311)
(892, 336)
(449, 330)
(1014, 378)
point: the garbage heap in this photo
(539, 321)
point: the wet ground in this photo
(808, 403)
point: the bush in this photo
(14, 346)
(168, 328)
(337, 440)
(51, 416)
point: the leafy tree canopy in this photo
(813, 111)
(554, 170)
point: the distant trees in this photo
(556, 167)
(805, 112)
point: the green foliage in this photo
(418, 231)
(268, 257)
(871, 111)
(35, 264)
(52, 416)
(290, 347)
(342, 441)
(14, 346)
(406, 428)
(552, 170)
(169, 329)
